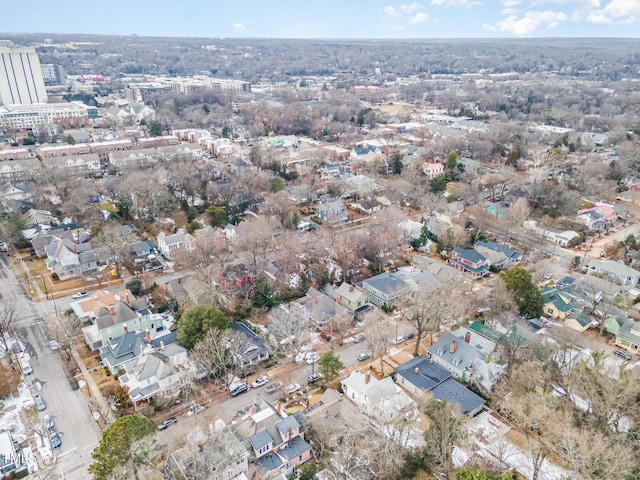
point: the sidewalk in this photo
(95, 396)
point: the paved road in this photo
(72, 417)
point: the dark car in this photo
(239, 390)
(622, 354)
(326, 336)
(167, 423)
(409, 336)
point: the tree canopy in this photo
(330, 364)
(155, 128)
(217, 216)
(115, 446)
(525, 293)
(196, 321)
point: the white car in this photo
(293, 388)
(54, 345)
(260, 381)
(312, 358)
(78, 295)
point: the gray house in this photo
(385, 289)
(421, 375)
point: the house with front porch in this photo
(469, 261)
(385, 289)
(157, 372)
(559, 303)
(318, 309)
(627, 276)
(433, 169)
(170, 244)
(499, 256)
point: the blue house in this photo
(499, 256)
(469, 261)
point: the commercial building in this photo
(31, 115)
(21, 80)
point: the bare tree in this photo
(254, 238)
(7, 321)
(286, 334)
(377, 341)
(426, 312)
(445, 429)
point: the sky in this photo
(330, 18)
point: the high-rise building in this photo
(21, 80)
(53, 74)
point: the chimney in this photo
(147, 335)
(125, 328)
(289, 434)
(315, 301)
(179, 280)
(161, 345)
(551, 294)
(367, 377)
(337, 299)
(351, 288)
(467, 337)
(252, 409)
(416, 371)
(452, 347)
(279, 408)
(430, 359)
(126, 299)
(112, 310)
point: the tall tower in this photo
(21, 80)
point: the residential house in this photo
(116, 351)
(68, 260)
(627, 276)
(421, 375)
(209, 239)
(599, 217)
(34, 216)
(236, 276)
(578, 321)
(469, 261)
(499, 256)
(385, 289)
(171, 244)
(598, 140)
(318, 309)
(140, 250)
(365, 206)
(562, 238)
(433, 169)
(364, 153)
(161, 372)
(88, 307)
(275, 441)
(513, 338)
(351, 297)
(382, 401)
(41, 240)
(559, 303)
(464, 361)
(628, 336)
(331, 171)
(332, 211)
(216, 452)
(250, 347)
(496, 209)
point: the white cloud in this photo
(408, 8)
(391, 11)
(509, 11)
(530, 22)
(510, 3)
(616, 11)
(238, 27)
(454, 3)
(419, 18)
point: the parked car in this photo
(40, 405)
(291, 389)
(260, 381)
(273, 386)
(315, 377)
(312, 357)
(78, 295)
(363, 356)
(239, 390)
(193, 409)
(48, 423)
(54, 345)
(167, 423)
(622, 354)
(326, 336)
(398, 340)
(56, 441)
(359, 338)
(408, 336)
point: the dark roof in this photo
(455, 393)
(470, 255)
(260, 439)
(428, 376)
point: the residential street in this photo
(78, 429)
